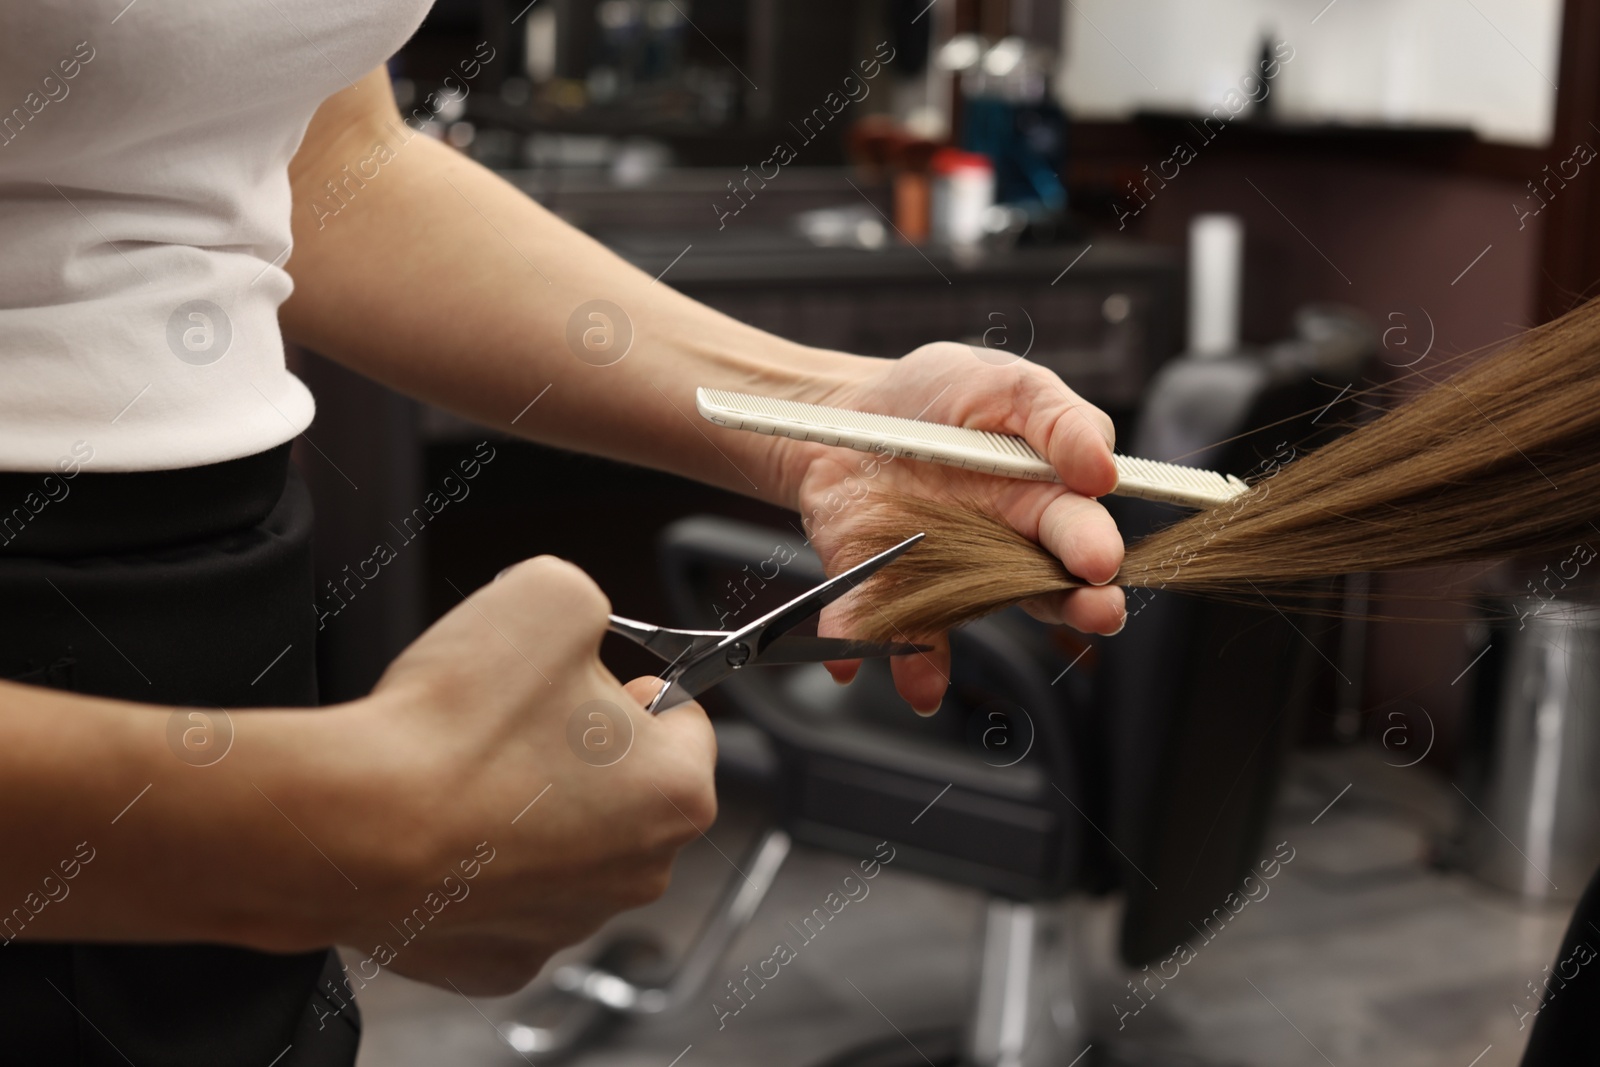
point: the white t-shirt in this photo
(144, 218)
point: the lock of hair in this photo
(1499, 459)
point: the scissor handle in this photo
(751, 645)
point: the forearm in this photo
(110, 836)
(404, 823)
(447, 283)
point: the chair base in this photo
(945, 1048)
(1025, 1013)
(941, 1048)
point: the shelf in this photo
(1151, 135)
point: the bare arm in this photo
(113, 837)
(442, 280)
(327, 826)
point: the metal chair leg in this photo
(1025, 1014)
(600, 994)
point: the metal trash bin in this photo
(1531, 821)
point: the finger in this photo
(844, 671)
(558, 589)
(1046, 389)
(1101, 610)
(1092, 612)
(1081, 533)
(1050, 609)
(831, 623)
(1077, 437)
(922, 678)
(508, 623)
(688, 751)
(694, 730)
(643, 689)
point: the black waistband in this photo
(86, 512)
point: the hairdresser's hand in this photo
(501, 703)
(949, 383)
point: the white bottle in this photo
(963, 189)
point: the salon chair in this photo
(1058, 765)
(1203, 695)
(990, 793)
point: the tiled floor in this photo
(1360, 954)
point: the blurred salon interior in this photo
(1232, 834)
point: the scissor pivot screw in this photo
(738, 654)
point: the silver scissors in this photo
(700, 659)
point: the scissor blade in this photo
(713, 662)
(671, 645)
(692, 678)
(792, 648)
(669, 696)
(759, 635)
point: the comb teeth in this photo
(955, 446)
(1150, 479)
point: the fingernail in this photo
(931, 711)
(1121, 626)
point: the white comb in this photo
(953, 446)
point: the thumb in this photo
(643, 689)
(685, 727)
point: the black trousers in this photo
(178, 589)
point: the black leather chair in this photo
(1201, 697)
